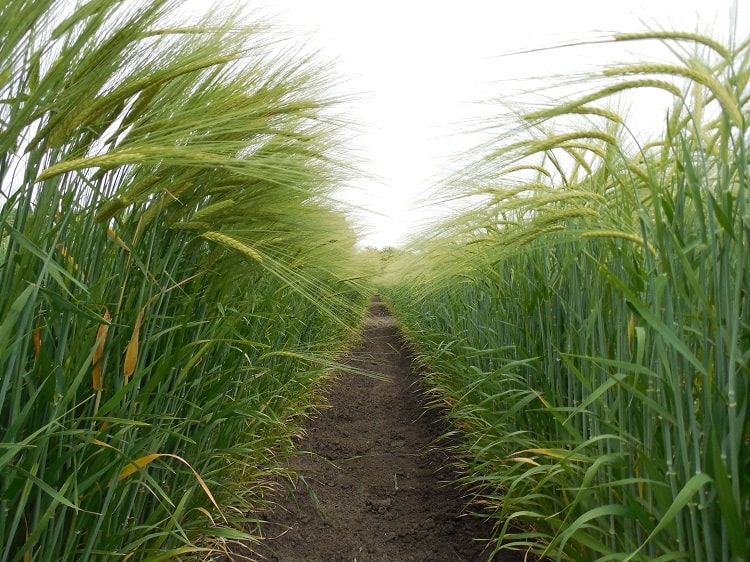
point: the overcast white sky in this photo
(421, 67)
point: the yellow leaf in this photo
(542, 399)
(523, 460)
(137, 464)
(103, 444)
(631, 329)
(101, 337)
(117, 239)
(70, 262)
(131, 353)
(563, 454)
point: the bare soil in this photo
(371, 486)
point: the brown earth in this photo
(371, 487)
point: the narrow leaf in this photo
(8, 325)
(681, 500)
(728, 505)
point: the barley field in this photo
(585, 324)
(178, 285)
(174, 275)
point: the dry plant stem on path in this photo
(370, 487)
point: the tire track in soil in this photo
(371, 487)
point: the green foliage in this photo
(173, 276)
(585, 325)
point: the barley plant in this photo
(585, 325)
(173, 277)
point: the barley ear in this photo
(233, 243)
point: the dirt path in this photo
(370, 489)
